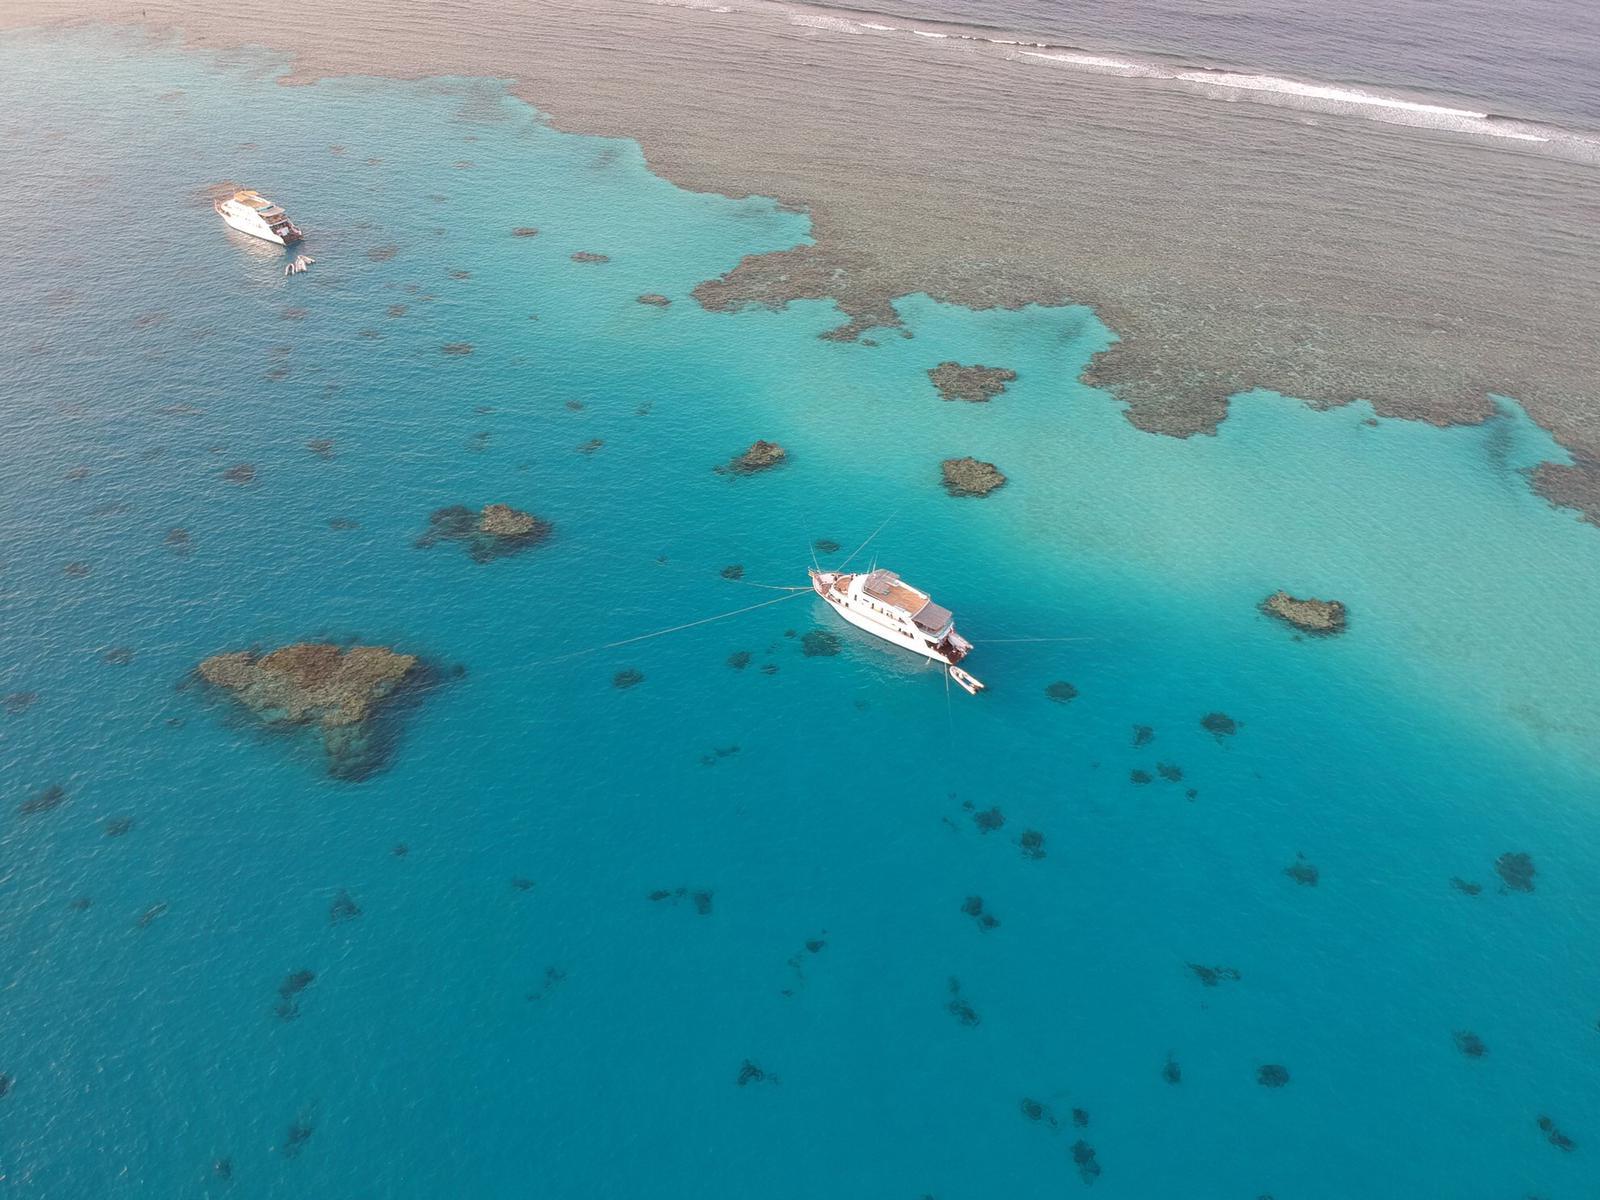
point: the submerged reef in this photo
(1211, 976)
(240, 473)
(1088, 1166)
(1061, 692)
(1470, 1043)
(701, 899)
(1219, 725)
(525, 231)
(1302, 872)
(972, 906)
(1032, 844)
(1575, 485)
(1554, 1135)
(334, 689)
(825, 546)
(288, 1006)
(761, 456)
(976, 384)
(819, 643)
(959, 1008)
(494, 531)
(1171, 1072)
(589, 256)
(1517, 870)
(655, 299)
(1272, 1075)
(1320, 617)
(627, 677)
(43, 801)
(965, 477)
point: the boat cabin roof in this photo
(253, 199)
(892, 590)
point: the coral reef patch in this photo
(976, 384)
(1319, 617)
(970, 477)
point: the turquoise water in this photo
(469, 1035)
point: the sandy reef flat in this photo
(1230, 245)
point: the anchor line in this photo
(864, 545)
(674, 629)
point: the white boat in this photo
(252, 213)
(883, 604)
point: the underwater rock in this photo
(554, 977)
(973, 907)
(43, 801)
(383, 253)
(1302, 872)
(702, 903)
(1319, 617)
(179, 541)
(1211, 976)
(321, 447)
(460, 274)
(1555, 1137)
(970, 477)
(117, 656)
(1470, 1043)
(588, 256)
(295, 313)
(525, 231)
(1138, 776)
(575, 405)
(958, 1008)
(825, 546)
(457, 348)
(1061, 692)
(398, 310)
(739, 659)
(977, 384)
(495, 531)
(5, 1086)
(240, 473)
(400, 850)
(819, 643)
(81, 904)
(1171, 1071)
(591, 445)
(1080, 1118)
(1171, 772)
(1516, 870)
(1035, 1111)
(761, 456)
(1465, 885)
(733, 571)
(750, 1073)
(627, 678)
(989, 820)
(1083, 1156)
(341, 524)
(17, 703)
(152, 914)
(1219, 725)
(1142, 735)
(336, 689)
(1032, 843)
(718, 753)
(76, 570)
(522, 883)
(299, 1134)
(1272, 1075)
(655, 299)
(343, 908)
(223, 1168)
(115, 827)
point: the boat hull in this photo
(895, 634)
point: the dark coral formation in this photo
(989, 820)
(1219, 725)
(525, 231)
(701, 899)
(240, 473)
(43, 801)
(627, 677)
(1138, 776)
(321, 447)
(1470, 1043)
(973, 907)
(589, 256)
(288, 1006)
(115, 827)
(656, 299)
(1171, 1071)
(333, 689)
(819, 643)
(733, 571)
(1083, 1156)
(494, 531)
(970, 477)
(959, 1008)
(1554, 1135)
(825, 546)
(1466, 886)
(344, 908)
(1272, 1075)
(761, 456)
(457, 348)
(1211, 976)
(1516, 870)
(1319, 617)
(1142, 735)
(17, 703)
(1171, 772)
(976, 384)
(383, 253)
(750, 1073)
(807, 272)
(299, 1134)
(739, 659)
(152, 914)
(1575, 485)
(1302, 872)
(1032, 843)
(591, 445)
(1061, 692)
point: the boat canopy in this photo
(933, 618)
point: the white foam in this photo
(835, 24)
(926, 33)
(879, 28)
(1320, 91)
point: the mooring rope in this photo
(674, 629)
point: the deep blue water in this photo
(467, 1036)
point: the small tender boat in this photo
(298, 265)
(966, 682)
(252, 213)
(883, 604)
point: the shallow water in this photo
(468, 1035)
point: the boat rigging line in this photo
(674, 629)
(864, 545)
